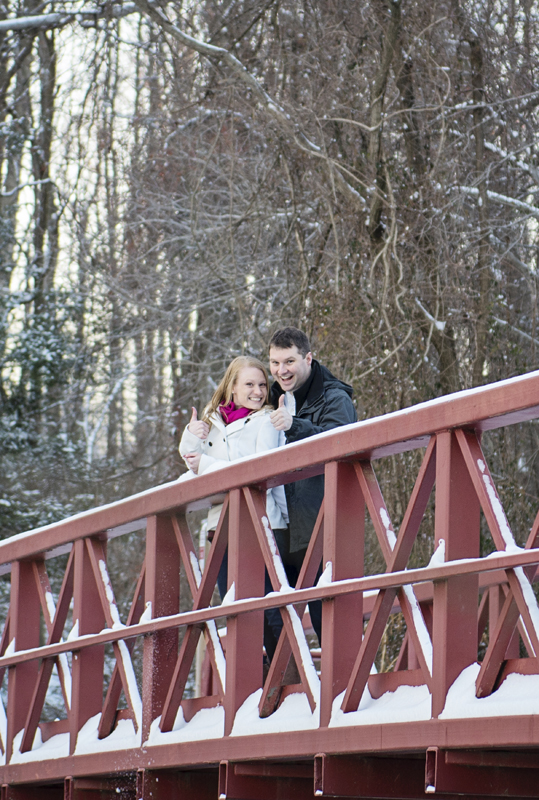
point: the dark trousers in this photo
(273, 621)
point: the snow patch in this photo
(420, 626)
(123, 737)
(294, 714)
(306, 658)
(405, 704)
(518, 695)
(218, 650)
(230, 596)
(277, 561)
(390, 533)
(326, 578)
(195, 566)
(74, 632)
(507, 534)
(438, 557)
(115, 616)
(208, 723)
(146, 615)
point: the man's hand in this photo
(281, 419)
(192, 460)
(197, 427)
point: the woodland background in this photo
(365, 169)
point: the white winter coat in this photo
(243, 437)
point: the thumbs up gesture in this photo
(197, 427)
(281, 418)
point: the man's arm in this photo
(338, 410)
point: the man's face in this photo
(289, 368)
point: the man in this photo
(308, 399)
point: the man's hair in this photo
(288, 337)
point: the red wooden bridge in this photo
(441, 722)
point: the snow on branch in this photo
(223, 55)
(529, 168)
(440, 326)
(523, 334)
(58, 20)
(502, 198)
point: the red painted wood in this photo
(455, 621)
(477, 780)
(162, 590)
(342, 618)
(30, 792)
(236, 783)
(46, 667)
(24, 629)
(271, 692)
(171, 784)
(368, 777)
(486, 408)
(122, 787)
(455, 600)
(257, 509)
(87, 664)
(244, 633)
(110, 706)
(416, 576)
(202, 595)
(396, 558)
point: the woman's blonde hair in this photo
(223, 394)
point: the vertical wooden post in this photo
(162, 589)
(245, 632)
(455, 600)
(24, 629)
(87, 664)
(342, 617)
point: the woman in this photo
(236, 423)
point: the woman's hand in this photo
(197, 427)
(192, 460)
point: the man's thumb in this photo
(281, 401)
(194, 416)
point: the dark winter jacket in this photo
(327, 405)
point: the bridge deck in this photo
(457, 714)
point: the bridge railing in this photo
(446, 605)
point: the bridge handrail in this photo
(483, 408)
(469, 566)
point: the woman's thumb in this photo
(194, 416)
(281, 401)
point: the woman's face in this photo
(250, 389)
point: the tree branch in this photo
(279, 115)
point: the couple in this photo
(245, 417)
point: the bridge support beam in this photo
(368, 777)
(170, 784)
(478, 774)
(121, 787)
(265, 781)
(344, 530)
(32, 792)
(457, 522)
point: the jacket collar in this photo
(217, 420)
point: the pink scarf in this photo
(230, 413)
